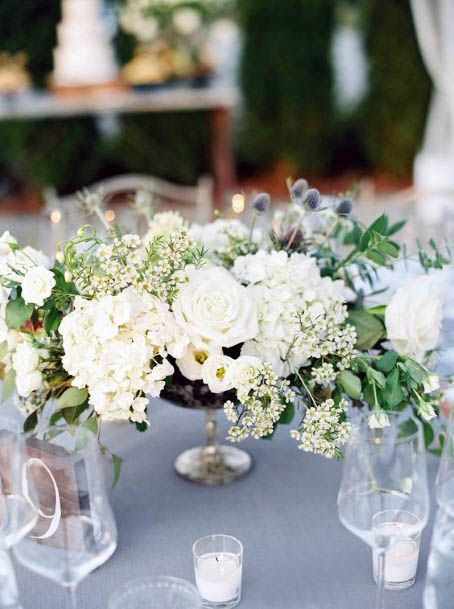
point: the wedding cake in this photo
(84, 56)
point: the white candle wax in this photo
(218, 576)
(401, 559)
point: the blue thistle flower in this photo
(344, 207)
(261, 202)
(299, 187)
(312, 199)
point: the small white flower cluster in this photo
(324, 374)
(301, 314)
(225, 239)
(117, 347)
(163, 224)
(262, 399)
(324, 429)
(124, 263)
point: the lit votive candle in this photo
(401, 558)
(218, 564)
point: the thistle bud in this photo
(299, 187)
(312, 199)
(344, 207)
(261, 202)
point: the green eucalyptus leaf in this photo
(9, 383)
(380, 225)
(350, 383)
(17, 312)
(395, 228)
(73, 396)
(116, 469)
(369, 329)
(376, 257)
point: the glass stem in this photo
(380, 579)
(211, 431)
(8, 587)
(73, 596)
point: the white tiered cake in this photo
(84, 56)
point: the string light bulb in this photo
(238, 203)
(109, 215)
(55, 216)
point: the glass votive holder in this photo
(403, 530)
(156, 593)
(218, 564)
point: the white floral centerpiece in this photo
(272, 322)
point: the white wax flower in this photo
(213, 306)
(37, 285)
(413, 318)
(217, 373)
(190, 365)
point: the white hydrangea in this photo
(215, 236)
(300, 312)
(164, 224)
(117, 347)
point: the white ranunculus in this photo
(216, 308)
(25, 359)
(217, 373)
(245, 370)
(37, 285)
(190, 365)
(29, 382)
(413, 318)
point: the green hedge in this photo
(392, 118)
(286, 81)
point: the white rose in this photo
(29, 382)
(37, 285)
(245, 370)
(216, 308)
(217, 373)
(413, 318)
(25, 359)
(190, 365)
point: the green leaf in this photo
(395, 228)
(364, 241)
(31, 421)
(387, 361)
(428, 433)
(377, 376)
(368, 394)
(17, 312)
(9, 382)
(376, 257)
(73, 396)
(51, 321)
(57, 415)
(378, 310)
(350, 383)
(416, 372)
(83, 438)
(369, 329)
(287, 415)
(393, 394)
(92, 425)
(380, 225)
(116, 469)
(388, 248)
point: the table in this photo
(297, 554)
(218, 101)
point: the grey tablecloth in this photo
(297, 554)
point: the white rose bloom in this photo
(217, 373)
(413, 318)
(25, 359)
(29, 382)
(245, 370)
(37, 285)
(378, 419)
(216, 308)
(6, 241)
(432, 383)
(190, 365)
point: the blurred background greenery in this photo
(289, 116)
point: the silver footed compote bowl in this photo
(213, 463)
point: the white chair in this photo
(194, 202)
